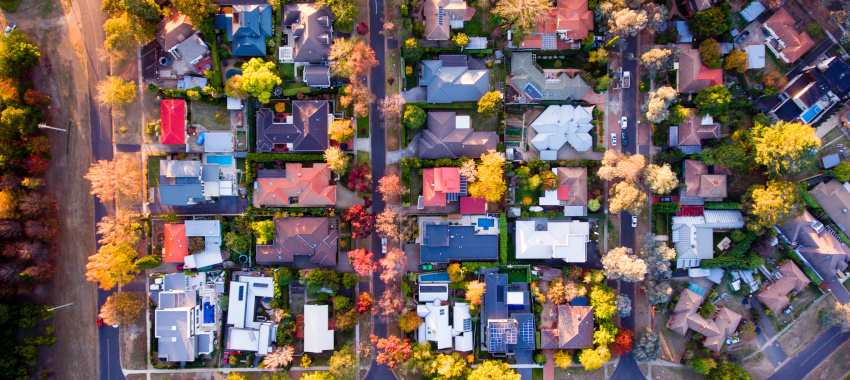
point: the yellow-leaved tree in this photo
(341, 130)
(490, 183)
(490, 102)
(595, 358)
(563, 359)
(493, 370)
(771, 203)
(785, 148)
(337, 160)
(447, 367)
(122, 308)
(112, 265)
(259, 78)
(660, 178)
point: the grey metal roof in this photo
(451, 80)
(317, 76)
(180, 194)
(174, 341)
(442, 139)
(525, 72)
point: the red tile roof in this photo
(796, 43)
(311, 185)
(473, 206)
(693, 75)
(437, 183)
(569, 16)
(172, 114)
(175, 245)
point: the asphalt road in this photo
(812, 355)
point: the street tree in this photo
(656, 59)
(626, 196)
(391, 351)
(616, 166)
(409, 321)
(391, 107)
(387, 224)
(621, 263)
(122, 308)
(627, 22)
(393, 266)
(659, 102)
(648, 347)
(122, 227)
(363, 261)
(119, 176)
(660, 178)
(357, 96)
(390, 187)
(116, 92)
(112, 265)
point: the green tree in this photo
(710, 53)
(263, 231)
(703, 366)
(344, 12)
(237, 242)
(785, 147)
(736, 61)
(711, 22)
(414, 117)
(842, 171)
(197, 10)
(341, 364)
(729, 154)
(147, 262)
(17, 54)
(259, 78)
(120, 35)
(727, 370)
(713, 100)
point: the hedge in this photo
(409, 163)
(289, 211)
(665, 208)
(722, 206)
(503, 238)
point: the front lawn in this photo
(287, 71)
(363, 127)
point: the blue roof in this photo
(434, 277)
(249, 39)
(683, 32)
(444, 243)
(223, 22)
(752, 11)
(526, 338)
(179, 194)
(580, 301)
(495, 305)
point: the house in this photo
(691, 74)
(441, 16)
(775, 295)
(693, 235)
(304, 129)
(318, 336)
(300, 184)
(433, 308)
(701, 185)
(834, 198)
(433, 287)
(188, 54)
(177, 239)
(755, 56)
(698, 5)
(783, 37)
(548, 239)
(567, 327)
(571, 193)
(172, 125)
(308, 31)
(450, 135)
(560, 125)
(686, 316)
(506, 319)
(476, 240)
(450, 79)
(190, 182)
(435, 326)
(246, 27)
(305, 241)
(441, 185)
(186, 317)
(812, 93)
(688, 135)
(462, 330)
(830, 161)
(248, 329)
(563, 27)
(531, 83)
(819, 247)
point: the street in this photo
(798, 367)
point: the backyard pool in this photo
(222, 160)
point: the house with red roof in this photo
(691, 74)
(195, 243)
(571, 192)
(440, 186)
(301, 184)
(563, 27)
(784, 39)
(172, 125)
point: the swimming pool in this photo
(810, 113)
(220, 160)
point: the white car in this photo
(624, 122)
(634, 221)
(384, 245)
(627, 79)
(613, 139)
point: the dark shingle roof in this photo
(307, 133)
(443, 243)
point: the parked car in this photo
(613, 139)
(624, 138)
(627, 79)
(384, 245)
(624, 122)
(634, 221)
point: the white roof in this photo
(565, 240)
(752, 11)
(265, 339)
(462, 122)
(190, 82)
(180, 168)
(218, 142)
(463, 336)
(430, 292)
(203, 228)
(515, 298)
(243, 339)
(477, 43)
(725, 219)
(561, 124)
(203, 259)
(755, 56)
(549, 198)
(436, 327)
(234, 104)
(236, 301)
(317, 336)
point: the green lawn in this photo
(287, 71)
(363, 126)
(10, 5)
(153, 170)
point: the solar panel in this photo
(497, 338)
(510, 335)
(526, 332)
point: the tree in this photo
(731, 155)
(344, 12)
(414, 117)
(604, 302)
(387, 224)
(341, 130)
(493, 370)
(341, 364)
(736, 61)
(358, 96)
(656, 15)
(116, 92)
(460, 39)
(364, 302)
(35, 204)
(280, 357)
(390, 187)
(391, 107)
(17, 54)
(390, 304)
(233, 87)
(771, 203)
(624, 305)
(409, 321)
(197, 10)
(660, 178)
(522, 15)
(556, 293)
(120, 35)
(713, 100)
(474, 292)
(306, 361)
(598, 56)
(594, 358)
(616, 165)
(490, 183)
(490, 102)
(337, 159)
(727, 370)
(392, 350)
(360, 220)
(659, 102)
(710, 53)
(123, 227)
(351, 58)
(604, 334)
(393, 266)
(456, 272)
(447, 367)
(627, 22)
(239, 376)
(259, 78)
(659, 292)
(112, 265)
(648, 347)
(702, 365)
(363, 261)
(563, 359)
(785, 147)
(622, 342)
(626, 196)
(773, 79)
(620, 263)
(838, 315)
(711, 22)
(121, 308)
(468, 170)
(121, 176)
(842, 171)
(656, 59)
(360, 178)
(237, 242)
(147, 262)
(264, 231)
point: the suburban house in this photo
(701, 184)
(686, 316)
(693, 233)
(812, 93)
(303, 129)
(172, 124)
(441, 186)
(784, 39)
(246, 27)
(187, 54)
(691, 74)
(441, 16)
(818, 246)
(688, 135)
(531, 83)
(563, 27)
(791, 280)
(472, 238)
(186, 317)
(303, 241)
(249, 326)
(543, 239)
(450, 135)
(433, 308)
(308, 35)
(318, 336)
(566, 327)
(190, 182)
(560, 125)
(201, 237)
(834, 198)
(450, 79)
(300, 184)
(507, 321)
(571, 193)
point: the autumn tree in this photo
(656, 15)
(393, 266)
(18, 54)
(123, 227)
(594, 358)
(785, 147)
(659, 102)
(556, 293)
(344, 12)
(616, 165)
(341, 130)
(314, 375)
(490, 102)
(120, 176)
(390, 187)
(563, 359)
(627, 22)
(656, 59)
(490, 183)
(493, 370)
(837, 315)
(357, 96)
(468, 170)
(626, 196)
(622, 343)
(460, 40)
(259, 78)
(771, 203)
(660, 178)
(522, 15)
(351, 58)
(197, 10)
(116, 92)
(475, 292)
(390, 304)
(391, 107)
(391, 350)
(736, 61)
(263, 230)
(363, 261)
(364, 302)
(360, 220)
(710, 53)
(342, 364)
(336, 159)
(112, 265)
(233, 87)
(414, 117)
(409, 321)
(621, 263)
(604, 302)
(280, 357)
(387, 224)
(447, 367)
(122, 308)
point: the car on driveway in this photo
(613, 139)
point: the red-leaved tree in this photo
(360, 220)
(392, 350)
(360, 178)
(622, 342)
(390, 304)
(364, 302)
(363, 261)
(393, 266)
